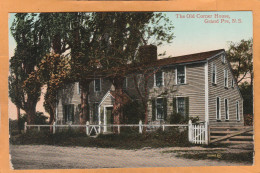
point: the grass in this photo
(124, 140)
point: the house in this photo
(197, 85)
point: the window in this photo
(226, 109)
(223, 59)
(180, 75)
(218, 110)
(68, 113)
(78, 88)
(225, 78)
(232, 83)
(158, 81)
(181, 106)
(214, 74)
(97, 85)
(159, 108)
(237, 111)
(125, 83)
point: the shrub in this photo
(177, 118)
(133, 112)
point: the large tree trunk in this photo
(84, 114)
(31, 111)
(118, 103)
(18, 118)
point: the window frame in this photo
(162, 109)
(223, 58)
(218, 99)
(99, 84)
(232, 83)
(225, 77)
(177, 104)
(78, 88)
(176, 75)
(214, 67)
(226, 108)
(125, 83)
(237, 111)
(155, 79)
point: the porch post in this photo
(140, 126)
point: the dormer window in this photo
(180, 75)
(214, 74)
(97, 85)
(158, 79)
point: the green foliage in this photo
(247, 92)
(240, 55)
(133, 112)
(194, 119)
(177, 118)
(40, 118)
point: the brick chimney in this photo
(147, 53)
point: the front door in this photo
(109, 119)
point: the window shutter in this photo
(153, 109)
(64, 113)
(165, 109)
(174, 104)
(72, 113)
(187, 106)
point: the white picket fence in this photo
(198, 133)
(100, 128)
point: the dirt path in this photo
(54, 157)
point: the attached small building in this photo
(197, 85)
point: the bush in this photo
(177, 118)
(133, 112)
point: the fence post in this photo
(190, 131)
(163, 127)
(118, 129)
(87, 128)
(39, 128)
(206, 133)
(25, 127)
(53, 128)
(140, 126)
(99, 129)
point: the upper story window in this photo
(237, 111)
(181, 75)
(97, 85)
(78, 88)
(223, 59)
(158, 79)
(232, 83)
(214, 73)
(159, 108)
(125, 83)
(226, 109)
(218, 109)
(225, 78)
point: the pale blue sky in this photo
(194, 35)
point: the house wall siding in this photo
(194, 89)
(218, 90)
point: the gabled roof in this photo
(187, 58)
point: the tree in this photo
(123, 34)
(241, 59)
(31, 46)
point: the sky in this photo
(194, 32)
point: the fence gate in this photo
(198, 133)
